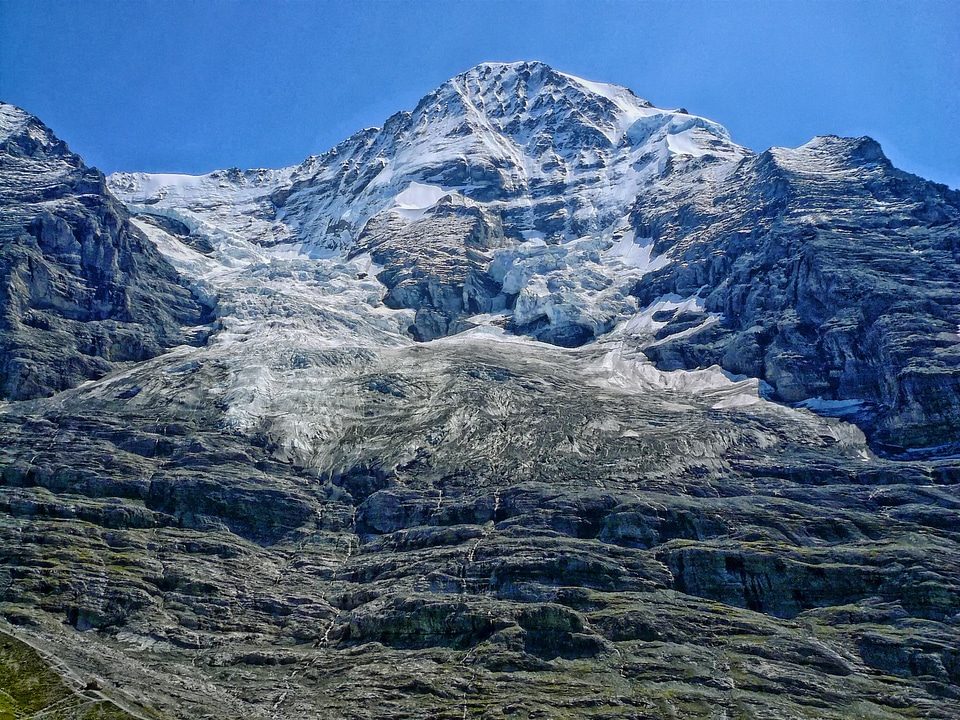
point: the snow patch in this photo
(185, 259)
(630, 370)
(684, 143)
(488, 331)
(833, 408)
(630, 107)
(171, 183)
(413, 202)
(635, 255)
(643, 322)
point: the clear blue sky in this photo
(173, 86)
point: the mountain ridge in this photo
(550, 157)
(562, 427)
(80, 282)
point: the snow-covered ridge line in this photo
(495, 133)
(552, 163)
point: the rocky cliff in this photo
(835, 276)
(507, 411)
(831, 273)
(82, 289)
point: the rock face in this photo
(501, 529)
(835, 276)
(82, 289)
(502, 416)
(437, 265)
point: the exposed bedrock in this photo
(80, 288)
(437, 265)
(619, 550)
(835, 277)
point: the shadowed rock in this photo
(80, 288)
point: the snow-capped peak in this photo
(12, 119)
(558, 156)
(529, 100)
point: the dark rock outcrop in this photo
(312, 515)
(835, 276)
(437, 265)
(80, 287)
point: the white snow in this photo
(634, 254)
(489, 332)
(712, 318)
(293, 251)
(630, 370)
(170, 184)
(642, 323)
(630, 107)
(500, 128)
(684, 143)
(223, 205)
(413, 202)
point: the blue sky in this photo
(175, 86)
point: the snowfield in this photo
(559, 158)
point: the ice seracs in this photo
(555, 159)
(557, 208)
(551, 162)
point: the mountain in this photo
(538, 401)
(835, 276)
(82, 289)
(573, 205)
